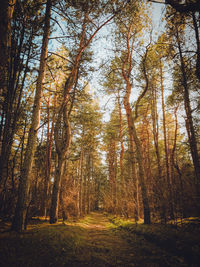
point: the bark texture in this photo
(20, 211)
(189, 119)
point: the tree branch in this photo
(182, 8)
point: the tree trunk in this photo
(159, 183)
(56, 190)
(123, 193)
(112, 173)
(19, 217)
(6, 14)
(134, 138)
(170, 200)
(196, 29)
(62, 136)
(44, 204)
(88, 185)
(81, 182)
(189, 120)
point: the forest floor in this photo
(101, 241)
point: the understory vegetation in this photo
(94, 240)
(99, 113)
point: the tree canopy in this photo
(99, 109)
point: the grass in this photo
(180, 242)
(41, 245)
(102, 241)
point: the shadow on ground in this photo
(96, 241)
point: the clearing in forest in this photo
(98, 240)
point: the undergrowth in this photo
(92, 241)
(44, 245)
(181, 240)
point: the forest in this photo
(99, 121)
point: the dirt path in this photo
(103, 246)
(106, 245)
(93, 242)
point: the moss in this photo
(183, 242)
(43, 245)
(99, 240)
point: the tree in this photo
(181, 6)
(111, 140)
(186, 8)
(20, 211)
(177, 30)
(25, 28)
(126, 73)
(62, 132)
(168, 176)
(6, 13)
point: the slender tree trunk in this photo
(173, 151)
(189, 120)
(62, 149)
(6, 14)
(47, 169)
(112, 173)
(81, 182)
(88, 185)
(159, 183)
(44, 204)
(123, 192)
(170, 199)
(56, 190)
(84, 193)
(8, 131)
(19, 217)
(126, 73)
(132, 152)
(154, 115)
(134, 138)
(196, 29)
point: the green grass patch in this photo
(181, 242)
(120, 222)
(41, 245)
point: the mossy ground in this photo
(99, 240)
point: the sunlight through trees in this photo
(59, 157)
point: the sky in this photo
(103, 51)
(103, 45)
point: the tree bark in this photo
(189, 120)
(196, 29)
(56, 190)
(6, 13)
(123, 194)
(168, 176)
(159, 183)
(126, 72)
(112, 173)
(62, 141)
(80, 200)
(19, 217)
(44, 204)
(134, 138)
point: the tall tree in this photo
(168, 176)
(20, 211)
(87, 14)
(6, 13)
(126, 70)
(176, 30)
